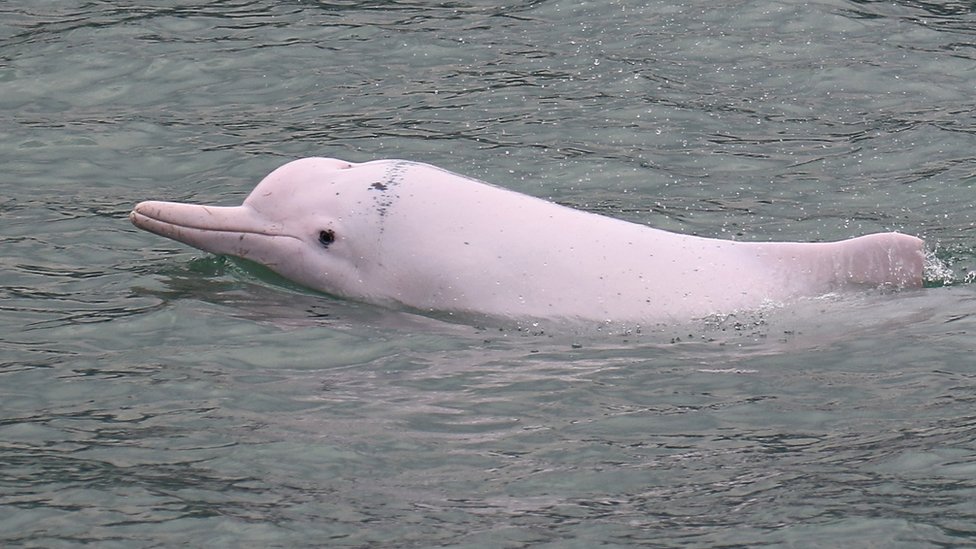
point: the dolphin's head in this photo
(296, 222)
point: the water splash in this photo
(938, 271)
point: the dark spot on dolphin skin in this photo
(383, 202)
(326, 237)
(386, 185)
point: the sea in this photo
(153, 395)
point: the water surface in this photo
(153, 395)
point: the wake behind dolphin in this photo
(401, 233)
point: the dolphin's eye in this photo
(326, 237)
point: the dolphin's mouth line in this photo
(169, 227)
(140, 220)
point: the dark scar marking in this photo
(386, 185)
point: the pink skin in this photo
(402, 233)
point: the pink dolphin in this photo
(402, 233)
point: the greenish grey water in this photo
(154, 396)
